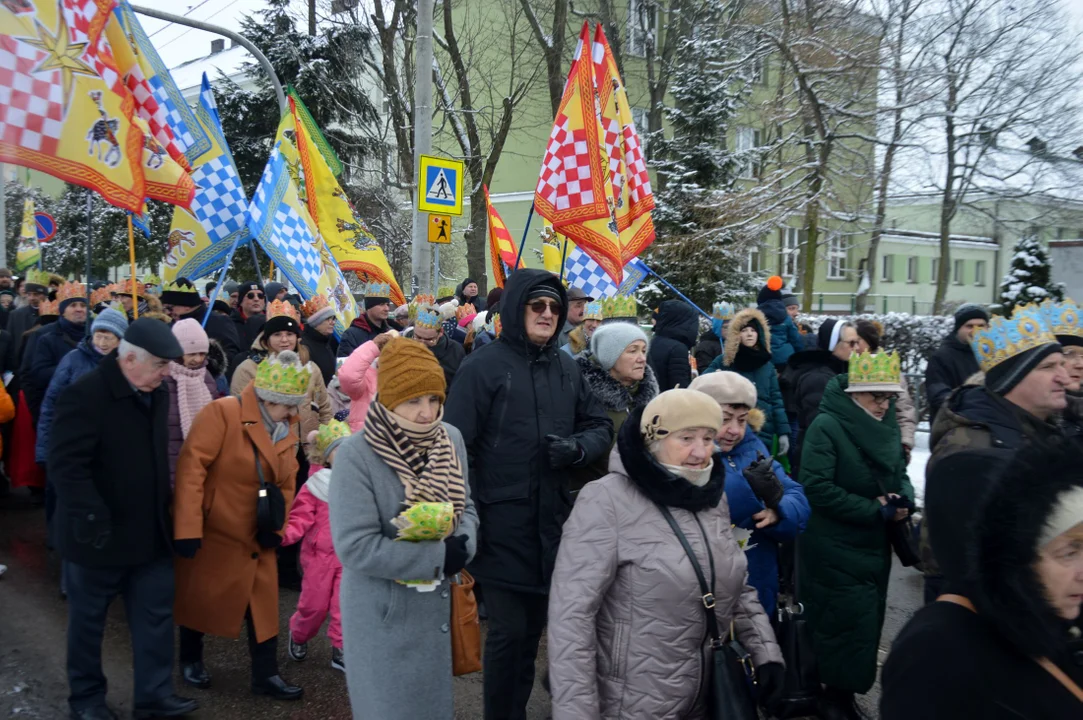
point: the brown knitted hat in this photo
(407, 370)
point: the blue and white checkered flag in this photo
(582, 272)
(279, 223)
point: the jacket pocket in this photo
(619, 649)
(504, 482)
(505, 398)
(208, 501)
(391, 593)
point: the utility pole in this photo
(3, 215)
(422, 275)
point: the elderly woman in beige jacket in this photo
(627, 625)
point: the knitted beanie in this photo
(191, 336)
(609, 341)
(282, 379)
(968, 312)
(110, 320)
(1004, 376)
(317, 318)
(772, 290)
(408, 370)
(679, 409)
(727, 388)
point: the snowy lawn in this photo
(919, 457)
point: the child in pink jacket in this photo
(357, 377)
(310, 522)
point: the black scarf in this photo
(750, 359)
(658, 484)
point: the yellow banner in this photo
(28, 252)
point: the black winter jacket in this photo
(948, 368)
(706, 350)
(107, 458)
(808, 374)
(507, 396)
(19, 321)
(220, 328)
(359, 333)
(450, 354)
(675, 333)
(322, 350)
(247, 329)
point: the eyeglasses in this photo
(254, 296)
(427, 341)
(854, 343)
(882, 398)
(538, 307)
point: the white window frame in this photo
(637, 35)
(958, 271)
(790, 249)
(979, 273)
(887, 268)
(749, 139)
(911, 269)
(754, 263)
(934, 271)
(837, 257)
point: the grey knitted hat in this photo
(609, 341)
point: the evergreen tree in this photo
(1029, 278)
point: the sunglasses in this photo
(539, 306)
(254, 296)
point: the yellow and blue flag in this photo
(28, 253)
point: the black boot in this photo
(169, 707)
(196, 675)
(839, 705)
(277, 688)
(98, 712)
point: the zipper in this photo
(503, 408)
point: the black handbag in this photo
(729, 668)
(801, 685)
(270, 503)
(903, 539)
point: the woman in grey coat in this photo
(627, 624)
(396, 637)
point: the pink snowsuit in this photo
(310, 522)
(357, 377)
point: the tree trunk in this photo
(812, 239)
(475, 240)
(949, 202)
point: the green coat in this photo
(845, 558)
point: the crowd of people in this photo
(651, 497)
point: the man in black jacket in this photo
(182, 301)
(675, 333)
(249, 315)
(319, 335)
(449, 354)
(371, 323)
(954, 361)
(527, 417)
(107, 457)
(22, 319)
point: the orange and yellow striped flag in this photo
(502, 248)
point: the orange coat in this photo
(215, 499)
(7, 410)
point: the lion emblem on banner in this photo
(175, 246)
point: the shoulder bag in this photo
(729, 668)
(901, 535)
(801, 689)
(270, 503)
(465, 627)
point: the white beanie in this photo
(609, 341)
(727, 388)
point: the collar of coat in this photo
(118, 384)
(252, 421)
(879, 441)
(658, 484)
(613, 396)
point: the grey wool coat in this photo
(396, 639)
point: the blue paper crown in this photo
(593, 311)
(378, 290)
(428, 318)
(723, 310)
(1063, 318)
(1006, 338)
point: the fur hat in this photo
(609, 341)
(191, 336)
(408, 370)
(282, 379)
(679, 409)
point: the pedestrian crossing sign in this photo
(441, 186)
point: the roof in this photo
(231, 61)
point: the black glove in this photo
(267, 539)
(454, 554)
(763, 481)
(188, 547)
(770, 677)
(563, 451)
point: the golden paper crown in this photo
(130, 288)
(1064, 319)
(417, 304)
(425, 521)
(428, 318)
(283, 375)
(313, 305)
(620, 306)
(281, 307)
(101, 295)
(722, 310)
(70, 290)
(1005, 338)
(49, 307)
(37, 277)
(594, 311)
(463, 311)
(378, 290)
(177, 287)
(875, 372)
(329, 432)
(152, 279)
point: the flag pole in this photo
(563, 256)
(255, 261)
(681, 295)
(221, 279)
(89, 249)
(131, 258)
(522, 244)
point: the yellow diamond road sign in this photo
(441, 187)
(440, 229)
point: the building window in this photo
(642, 24)
(911, 270)
(887, 265)
(957, 272)
(979, 272)
(753, 265)
(836, 258)
(748, 142)
(752, 67)
(935, 274)
(790, 250)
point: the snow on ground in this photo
(919, 457)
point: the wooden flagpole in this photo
(131, 258)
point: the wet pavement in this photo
(32, 646)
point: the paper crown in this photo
(428, 319)
(49, 307)
(70, 290)
(722, 310)
(1006, 338)
(620, 306)
(465, 310)
(281, 307)
(152, 279)
(282, 376)
(378, 290)
(129, 288)
(313, 305)
(178, 287)
(329, 432)
(594, 311)
(875, 372)
(37, 277)
(101, 295)
(1064, 320)
(419, 303)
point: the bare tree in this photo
(552, 45)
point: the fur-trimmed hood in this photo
(217, 362)
(613, 396)
(733, 333)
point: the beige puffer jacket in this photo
(627, 634)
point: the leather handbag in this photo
(465, 626)
(270, 503)
(731, 674)
(801, 688)
(903, 539)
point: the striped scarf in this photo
(421, 455)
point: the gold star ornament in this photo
(63, 55)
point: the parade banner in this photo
(312, 130)
(59, 115)
(200, 238)
(627, 166)
(28, 252)
(582, 272)
(574, 191)
(502, 250)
